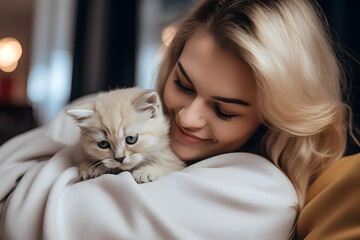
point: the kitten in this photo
(124, 130)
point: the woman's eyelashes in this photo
(216, 107)
(182, 87)
(221, 114)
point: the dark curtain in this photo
(344, 20)
(104, 52)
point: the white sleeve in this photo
(231, 196)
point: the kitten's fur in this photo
(125, 130)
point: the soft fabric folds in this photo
(230, 196)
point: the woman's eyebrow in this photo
(182, 70)
(232, 100)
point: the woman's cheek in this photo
(167, 96)
(238, 131)
(172, 96)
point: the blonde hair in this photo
(298, 77)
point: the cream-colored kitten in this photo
(125, 130)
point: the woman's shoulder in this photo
(246, 169)
(244, 190)
(249, 178)
(332, 210)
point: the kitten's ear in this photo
(81, 113)
(149, 101)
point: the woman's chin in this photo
(187, 155)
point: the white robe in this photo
(230, 196)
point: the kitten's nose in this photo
(120, 159)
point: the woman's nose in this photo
(192, 115)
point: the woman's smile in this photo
(186, 136)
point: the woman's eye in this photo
(221, 114)
(103, 144)
(131, 139)
(182, 87)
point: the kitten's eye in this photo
(131, 139)
(103, 144)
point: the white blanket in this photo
(231, 196)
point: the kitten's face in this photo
(120, 143)
(122, 130)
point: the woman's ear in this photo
(81, 114)
(149, 101)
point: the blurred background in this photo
(54, 51)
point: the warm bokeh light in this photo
(168, 34)
(10, 53)
(9, 68)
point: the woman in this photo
(238, 76)
(294, 77)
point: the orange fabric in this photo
(333, 203)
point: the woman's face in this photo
(211, 97)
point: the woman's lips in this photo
(185, 136)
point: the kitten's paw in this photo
(89, 170)
(86, 174)
(142, 176)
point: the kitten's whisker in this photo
(95, 165)
(90, 164)
(98, 163)
(100, 169)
